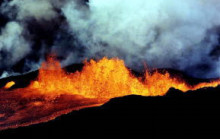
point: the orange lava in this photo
(9, 84)
(57, 92)
(107, 78)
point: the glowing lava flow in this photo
(56, 92)
(9, 84)
(107, 78)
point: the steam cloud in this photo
(13, 44)
(182, 35)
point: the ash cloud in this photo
(39, 9)
(182, 35)
(13, 47)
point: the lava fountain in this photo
(56, 92)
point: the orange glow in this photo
(107, 78)
(57, 92)
(9, 84)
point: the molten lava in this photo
(57, 92)
(9, 84)
(107, 78)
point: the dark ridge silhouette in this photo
(183, 113)
(177, 112)
(24, 80)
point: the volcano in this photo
(114, 91)
(176, 113)
(71, 67)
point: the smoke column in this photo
(182, 35)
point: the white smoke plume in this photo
(12, 42)
(164, 34)
(177, 34)
(39, 9)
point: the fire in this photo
(107, 78)
(9, 84)
(57, 92)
